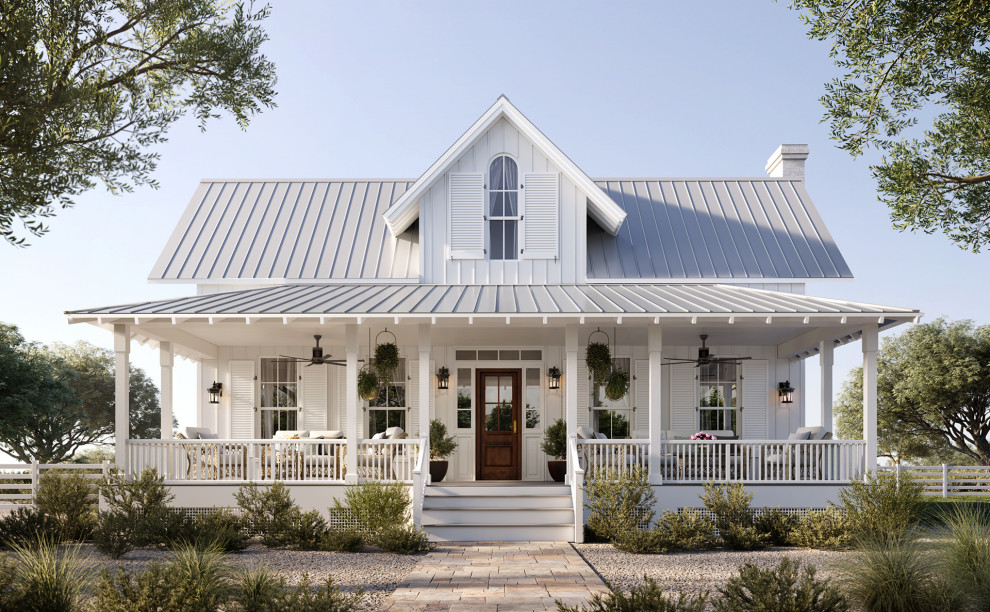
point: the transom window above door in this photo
(503, 208)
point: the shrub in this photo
(8, 576)
(779, 589)
(144, 501)
(966, 554)
(689, 530)
(647, 597)
(66, 498)
(619, 503)
(261, 590)
(47, 579)
(404, 539)
(269, 512)
(776, 525)
(114, 534)
(221, 529)
(25, 525)
(341, 540)
(555, 440)
(897, 576)
(374, 506)
(822, 529)
(441, 445)
(729, 502)
(307, 529)
(644, 542)
(882, 507)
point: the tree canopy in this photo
(87, 87)
(54, 400)
(906, 62)
(933, 395)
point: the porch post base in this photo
(351, 479)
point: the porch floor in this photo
(498, 483)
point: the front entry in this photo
(499, 454)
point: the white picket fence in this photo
(947, 480)
(19, 481)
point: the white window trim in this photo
(518, 218)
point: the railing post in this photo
(35, 474)
(945, 480)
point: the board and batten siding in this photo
(438, 267)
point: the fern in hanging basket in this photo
(598, 358)
(368, 384)
(386, 360)
(617, 385)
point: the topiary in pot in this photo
(368, 383)
(598, 358)
(617, 385)
(441, 447)
(555, 445)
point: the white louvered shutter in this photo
(242, 400)
(541, 210)
(583, 394)
(433, 401)
(467, 216)
(412, 397)
(683, 397)
(340, 415)
(314, 396)
(641, 388)
(755, 402)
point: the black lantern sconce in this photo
(553, 374)
(216, 392)
(443, 379)
(786, 392)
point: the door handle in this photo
(513, 426)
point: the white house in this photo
(495, 267)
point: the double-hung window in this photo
(718, 396)
(612, 417)
(389, 408)
(503, 209)
(279, 396)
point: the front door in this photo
(499, 455)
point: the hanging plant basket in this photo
(386, 358)
(368, 386)
(598, 358)
(617, 385)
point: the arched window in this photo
(503, 208)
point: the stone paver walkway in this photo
(497, 577)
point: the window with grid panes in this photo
(279, 386)
(389, 408)
(612, 417)
(717, 396)
(503, 208)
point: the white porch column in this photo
(351, 400)
(424, 382)
(655, 347)
(826, 360)
(870, 339)
(166, 359)
(122, 386)
(570, 384)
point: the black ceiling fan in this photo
(705, 356)
(317, 358)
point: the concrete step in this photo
(493, 501)
(501, 533)
(497, 516)
(442, 490)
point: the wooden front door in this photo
(499, 454)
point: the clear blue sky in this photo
(380, 89)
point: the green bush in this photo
(822, 529)
(729, 502)
(644, 542)
(144, 501)
(341, 540)
(307, 530)
(555, 440)
(47, 579)
(898, 576)
(441, 445)
(775, 525)
(25, 525)
(689, 530)
(269, 512)
(779, 589)
(966, 554)
(8, 577)
(66, 498)
(619, 503)
(882, 507)
(374, 506)
(258, 589)
(403, 539)
(114, 534)
(221, 529)
(647, 597)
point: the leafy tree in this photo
(933, 394)
(905, 59)
(89, 86)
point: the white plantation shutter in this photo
(412, 400)
(583, 393)
(467, 216)
(641, 387)
(314, 397)
(340, 400)
(754, 399)
(683, 397)
(540, 214)
(241, 400)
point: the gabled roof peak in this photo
(603, 209)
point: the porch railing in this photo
(747, 461)
(181, 461)
(420, 475)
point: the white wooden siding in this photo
(467, 216)
(314, 397)
(641, 398)
(683, 397)
(242, 400)
(541, 210)
(755, 392)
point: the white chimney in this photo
(788, 161)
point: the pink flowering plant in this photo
(701, 435)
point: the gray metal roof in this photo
(414, 299)
(714, 228)
(289, 229)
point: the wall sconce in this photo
(216, 392)
(553, 374)
(443, 378)
(785, 391)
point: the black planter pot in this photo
(438, 469)
(557, 469)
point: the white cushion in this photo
(208, 436)
(814, 433)
(285, 434)
(800, 435)
(193, 432)
(600, 436)
(392, 433)
(378, 436)
(327, 434)
(585, 433)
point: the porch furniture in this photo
(797, 461)
(376, 461)
(212, 461)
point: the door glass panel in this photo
(498, 403)
(491, 389)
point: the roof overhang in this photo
(602, 209)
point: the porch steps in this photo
(516, 512)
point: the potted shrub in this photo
(598, 358)
(555, 445)
(441, 447)
(386, 358)
(617, 385)
(367, 383)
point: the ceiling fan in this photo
(705, 357)
(317, 358)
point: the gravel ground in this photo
(694, 572)
(377, 573)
